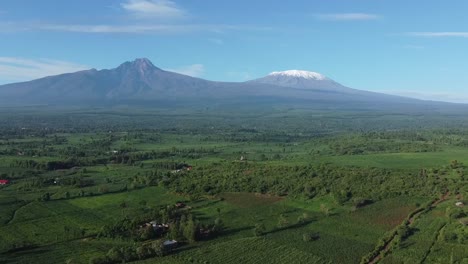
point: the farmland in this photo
(232, 187)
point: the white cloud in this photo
(347, 17)
(161, 9)
(120, 28)
(20, 69)
(145, 28)
(432, 96)
(157, 18)
(194, 70)
(438, 34)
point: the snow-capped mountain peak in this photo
(300, 74)
(301, 80)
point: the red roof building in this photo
(4, 182)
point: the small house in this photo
(4, 182)
(205, 232)
(180, 205)
(170, 244)
(459, 204)
(158, 227)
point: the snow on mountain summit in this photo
(302, 80)
(300, 74)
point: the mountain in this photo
(138, 79)
(140, 82)
(302, 80)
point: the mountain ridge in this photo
(141, 81)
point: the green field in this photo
(284, 187)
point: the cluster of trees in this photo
(123, 157)
(131, 253)
(57, 164)
(182, 226)
(71, 181)
(455, 230)
(377, 142)
(309, 181)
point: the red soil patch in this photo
(387, 216)
(246, 200)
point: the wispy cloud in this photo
(160, 9)
(145, 28)
(157, 17)
(432, 96)
(149, 28)
(21, 69)
(347, 17)
(438, 34)
(194, 70)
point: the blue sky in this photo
(417, 48)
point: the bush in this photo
(307, 237)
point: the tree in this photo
(46, 197)
(174, 231)
(114, 255)
(309, 191)
(143, 252)
(157, 248)
(306, 237)
(301, 219)
(403, 231)
(324, 209)
(147, 233)
(259, 229)
(190, 230)
(218, 225)
(342, 196)
(282, 221)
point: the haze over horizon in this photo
(414, 49)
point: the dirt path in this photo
(387, 246)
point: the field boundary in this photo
(437, 236)
(13, 216)
(386, 246)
